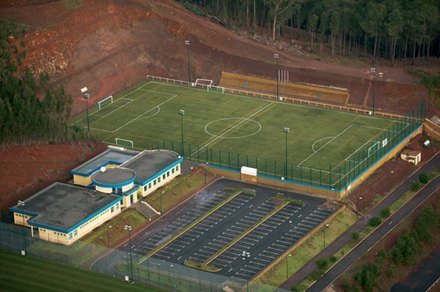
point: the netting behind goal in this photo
(124, 142)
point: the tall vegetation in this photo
(380, 28)
(30, 110)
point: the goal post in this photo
(203, 82)
(106, 101)
(374, 148)
(124, 142)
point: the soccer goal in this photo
(374, 148)
(203, 82)
(215, 88)
(104, 102)
(124, 142)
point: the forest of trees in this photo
(30, 110)
(404, 29)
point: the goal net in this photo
(124, 142)
(374, 148)
(104, 102)
(203, 82)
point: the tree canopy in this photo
(382, 28)
(30, 110)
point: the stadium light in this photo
(181, 114)
(129, 229)
(277, 57)
(286, 131)
(86, 95)
(189, 63)
(372, 73)
(287, 265)
(21, 204)
(325, 227)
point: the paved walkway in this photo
(359, 225)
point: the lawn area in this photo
(173, 193)
(308, 249)
(228, 125)
(90, 247)
(18, 273)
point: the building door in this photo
(131, 199)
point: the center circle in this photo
(258, 128)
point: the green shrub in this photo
(415, 186)
(322, 264)
(333, 259)
(375, 221)
(423, 178)
(346, 286)
(355, 236)
(385, 212)
(72, 4)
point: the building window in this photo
(177, 167)
(75, 233)
(117, 206)
(145, 188)
(149, 185)
(158, 179)
(168, 173)
(172, 170)
(112, 209)
(154, 182)
(163, 176)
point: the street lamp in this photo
(206, 170)
(189, 63)
(326, 226)
(108, 243)
(161, 205)
(277, 57)
(372, 73)
(129, 229)
(286, 131)
(287, 266)
(181, 114)
(21, 204)
(86, 95)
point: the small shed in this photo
(412, 156)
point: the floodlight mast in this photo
(286, 131)
(277, 57)
(86, 95)
(187, 43)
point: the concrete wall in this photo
(21, 219)
(87, 180)
(153, 185)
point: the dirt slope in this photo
(109, 45)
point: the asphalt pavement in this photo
(359, 225)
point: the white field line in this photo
(141, 115)
(115, 110)
(212, 140)
(407, 124)
(323, 146)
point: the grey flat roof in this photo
(113, 176)
(150, 162)
(64, 206)
(109, 156)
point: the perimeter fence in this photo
(122, 263)
(335, 177)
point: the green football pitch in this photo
(18, 273)
(149, 114)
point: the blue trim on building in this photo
(117, 200)
(131, 191)
(151, 178)
(16, 210)
(36, 224)
(95, 169)
(116, 185)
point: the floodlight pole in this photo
(108, 244)
(277, 57)
(373, 77)
(189, 63)
(87, 96)
(286, 131)
(23, 239)
(128, 228)
(181, 114)
(325, 227)
(287, 265)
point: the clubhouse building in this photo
(102, 187)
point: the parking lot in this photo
(256, 228)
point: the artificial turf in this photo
(148, 114)
(18, 273)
